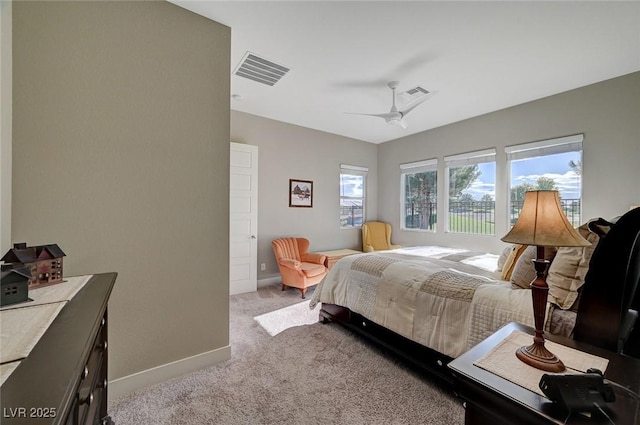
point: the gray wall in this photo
(5, 125)
(121, 156)
(606, 113)
(287, 151)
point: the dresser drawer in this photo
(91, 390)
(92, 416)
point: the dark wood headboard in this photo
(610, 288)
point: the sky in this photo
(351, 185)
(529, 170)
(555, 167)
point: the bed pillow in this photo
(502, 259)
(514, 252)
(568, 270)
(523, 271)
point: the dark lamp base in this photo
(538, 356)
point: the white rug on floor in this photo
(298, 314)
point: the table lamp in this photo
(542, 223)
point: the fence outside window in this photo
(351, 215)
(571, 208)
(477, 217)
(472, 217)
(420, 215)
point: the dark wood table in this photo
(492, 400)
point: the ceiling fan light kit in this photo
(395, 116)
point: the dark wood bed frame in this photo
(602, 317)
(424, 358)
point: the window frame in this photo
(415, 168)
(541, 148)
(461, 160)
(353, 170)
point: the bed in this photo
(430, 304)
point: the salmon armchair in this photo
(376, 236)
(299, 268)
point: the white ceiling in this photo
(478, 56)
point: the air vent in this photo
(417, 90)
(260, 70)
(412, 94)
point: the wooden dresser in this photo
(64, 378)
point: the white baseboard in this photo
(269, 281)
(128, 384)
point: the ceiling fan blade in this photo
(408, 108)
(411, 105)
(386, 115)
(359, 84)
(395, 116)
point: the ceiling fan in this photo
(395, 116)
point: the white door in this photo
(243, 212)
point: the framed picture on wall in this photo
(300, 193)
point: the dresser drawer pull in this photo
(102, 322)
(103, 384)
(102, 346)
(85, 372)
(87, 400)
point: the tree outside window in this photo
(420, 200)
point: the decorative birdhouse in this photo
(45, 263)
(14, 285)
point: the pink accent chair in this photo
(299, 268)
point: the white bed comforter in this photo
(432, 295)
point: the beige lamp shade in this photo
(543, 223)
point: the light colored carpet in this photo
(305, 374)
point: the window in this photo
(554, 164)
(419, 182)
(471, 201)
(352, 195)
